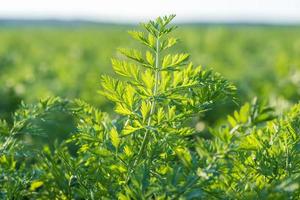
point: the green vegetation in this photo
(38, 62)
(169, 132)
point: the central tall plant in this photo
(158, 95)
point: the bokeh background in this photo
(60, 48)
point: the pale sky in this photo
(137, 10)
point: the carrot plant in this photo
(149, 149)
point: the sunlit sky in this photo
(277, 11)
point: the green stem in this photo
(10, 140)
(153, 103)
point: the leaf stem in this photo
(153, 103)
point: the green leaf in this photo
(150, 58)
(171, 112)
(167, 60)
(184, 155)
(145, 110)
(232, 121)
(140, 36)
(148, 80)
(128, 151)
(244, 113)
(126, 69)
(132, 54)
(122, 197)
(160, 114)
(114, 136)
(151, 41)
(36, 185)
(112, 88)
(168, 43)
(236, 115)
(129, 96)
(170, 62)
(122, 109)
(130, 129)
(4, 129)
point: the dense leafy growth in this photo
(151, 150)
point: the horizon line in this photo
(11, 20)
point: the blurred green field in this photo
(37, 62)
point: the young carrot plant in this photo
(150, 150)
(147, 149)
